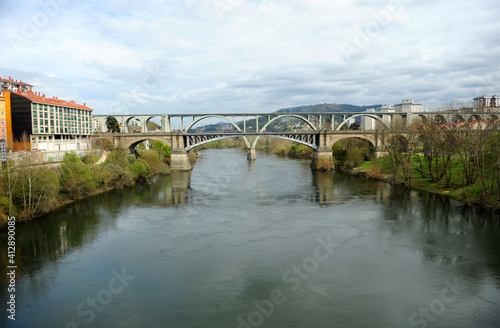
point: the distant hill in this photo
(321, 108)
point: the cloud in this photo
(205, 56)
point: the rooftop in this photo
(36, 97)
(10, 80)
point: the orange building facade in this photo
(3, 118)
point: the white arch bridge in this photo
(318, 131)
(241, 122)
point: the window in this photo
(35, 129)
(3, 121)
(3, 130)
(35, 114)
(35, 122)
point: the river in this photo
(257, 244)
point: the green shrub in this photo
(77, 179)
(141, 170)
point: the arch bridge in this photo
(318, 131)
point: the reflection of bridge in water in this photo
(325, 192)
(323, 131)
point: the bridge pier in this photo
(379, 152)
(322, 159)
(251, 154)
(179, 161)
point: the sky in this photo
(244, 56)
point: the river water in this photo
(263, 244)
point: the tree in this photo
(77, 179)
(112, 124)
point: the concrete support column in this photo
(251, 154)
(165, 123)
(179, 161)
(379, 152)
(322, 159)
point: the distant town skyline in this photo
(251, 56)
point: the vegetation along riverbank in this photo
(28, 191)
(461, 161)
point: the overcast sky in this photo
(207, 56)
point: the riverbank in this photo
(380, 169)
(30, 191)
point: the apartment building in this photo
(46, 123)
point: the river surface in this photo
(263, 244)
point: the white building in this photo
(96, 125)
(368, 123)
(14, 85)
(487, 103)
(407, 106)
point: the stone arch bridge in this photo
(181, 143)
(321, 132)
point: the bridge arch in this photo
(221, 117)
(371, 140)
(375, 117)
(128, 120)
(424, 118)
(475, 118)
(288, 115)
(312, 146)
(131, 145)
(457, 118)
(254, 144)
(148, 119)
(440, 119)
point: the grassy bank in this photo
(29, 191)
(475, 194)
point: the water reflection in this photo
(249, 223)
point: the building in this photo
(491, 103)
(368, 123)
(96, 125)
(14, 85)
(3, 118)
(407, 106)
(35, 122)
